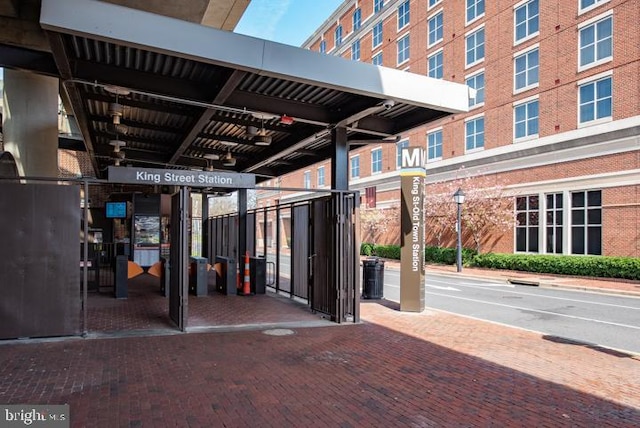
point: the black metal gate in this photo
(179, 281)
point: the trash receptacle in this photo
(372, 278)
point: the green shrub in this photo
(366, 249)
(447, 256)
(594, 266)
(387, 251)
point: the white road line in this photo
(442, 288)
(556, 298)
(540, 311)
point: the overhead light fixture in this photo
(228, 143)
(117, 145)
(262, 140)
(115, 111)
(211, 156)
(228, 160)
(251, 130)
(264, 116)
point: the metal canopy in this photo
(189, 93)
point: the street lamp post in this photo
(458, 197)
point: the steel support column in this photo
(339, 159)
(242, 226)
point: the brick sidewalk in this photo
(395, 369)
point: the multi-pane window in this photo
(401, 145)
(435, 65)
(475, 47)
(355, 50)
(357, 19)
(376, 161)
(321, 176)
(590, 4)
(434, 145)
(378, 5)
(596, 42)
(403, 15)
(435, 27)
(338, 35)
(526, 68)
(403, 49)
(586, 222)
(476, 82)
(527, 20)
(307, 179)
(474, 133)
(433, 3)
(323, 46)
(595, 100)
(554, 216)
(527, 223)
(355, 167)
(475, 9)
(377, 59)
(526, 117)
(377, 34)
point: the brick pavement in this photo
(394, 369)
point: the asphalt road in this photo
(607, 321)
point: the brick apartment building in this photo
(556, 117)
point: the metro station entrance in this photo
(49, 288)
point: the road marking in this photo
(558, 298)
(541, 311)
(442, 288)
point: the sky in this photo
(285, 21)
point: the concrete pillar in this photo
(30, 122)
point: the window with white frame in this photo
(527, 223)
(377, 5)
(476, 82)
(554, 223)
(401, 145)
(474, 133)
(434, 62)
(526, 119)
(433, 3)
(434, 145)
(403, 15)
(526, 20)
(323, 46)
(355, 50)
(376, 35)
(586, 222)
(475, 47)
(376, 161)
(435, 28)
(338, 34)
(307, 179)
(377, 59)
(403, 49)
(357, 19)
(596, 43)
(526, 68)
(475, 9)
(595, 100)
(321, 176)
(355, 166)
(586, 5)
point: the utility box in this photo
(226, 275)
(258, 275)
(198, 276)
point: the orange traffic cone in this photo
(246, 290)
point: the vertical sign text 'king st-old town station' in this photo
(412, 178)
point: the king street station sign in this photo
(176, 177)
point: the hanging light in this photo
(229, 160)
(117, 145)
